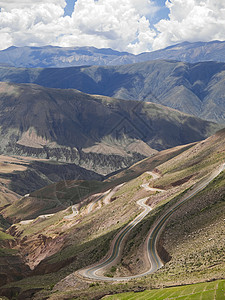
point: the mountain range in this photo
(112, 165)
(52, 56)
(95, 132)
(196, 89)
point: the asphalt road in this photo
(95, 272)
(116, 247)
(74, 212)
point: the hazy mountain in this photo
(196, 89)
(50, 56)
(189, 52)
(95, 132)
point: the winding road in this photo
(95, 272)
(42, 217)
(106, 197)
(116, 247)
(92, 204)
(148, 188)
(74, 212)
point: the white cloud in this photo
(115, 23)
(191, 20)
(119, 24)
(11, 4)
(145, 7)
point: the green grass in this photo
(40, 225)
(5, 236)
(204, 291)
(7, 252)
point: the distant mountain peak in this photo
(10, 48)
(55, 56)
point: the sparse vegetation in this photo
(191, 245)
(5, 236)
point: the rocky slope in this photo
(196, 89)
(97, 133)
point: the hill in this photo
(95, 132)
(191, 242)
(20, 176)
(50, 56)
(196, 89)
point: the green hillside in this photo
(210, 290)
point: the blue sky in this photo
(161, 14)
(69, 7)
(126, 25)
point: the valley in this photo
(112, 150)
(101, 195)
(58, 246)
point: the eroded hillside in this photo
(98, 133)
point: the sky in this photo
(126, 25)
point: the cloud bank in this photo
(124, 25)
(191, 20)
